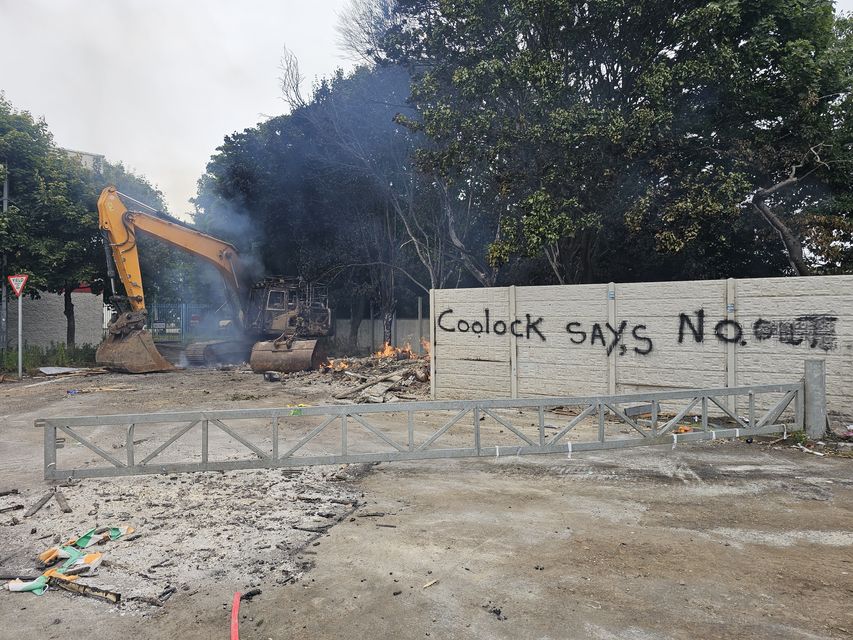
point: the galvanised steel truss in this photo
(707, 411)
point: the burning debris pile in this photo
(389, 375)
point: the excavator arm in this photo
(120, 227)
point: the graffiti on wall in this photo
(814, 331)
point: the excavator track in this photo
(195, 354)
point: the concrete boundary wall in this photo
(519, 342)
(404, 331)
(45, 323)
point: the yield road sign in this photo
(18, 281)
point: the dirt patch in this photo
(723, 540)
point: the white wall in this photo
(405, 330)
(781, 321)
(44, 320)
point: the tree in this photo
(325, 192)
(577, 120)
(51, 230)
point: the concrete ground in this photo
(722, 540)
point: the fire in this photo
(389, 351)
(426, 345)
(335, 365)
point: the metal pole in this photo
(372, 329)
(815, 391)
(4, 301)
(20, 338)
(420, 325)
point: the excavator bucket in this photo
(129, 347)
(275, 355)
(133, 352)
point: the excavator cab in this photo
(296, 316)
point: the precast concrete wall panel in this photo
(44, 321)
(675, 357)
(478, 364)
(628, 338)
(786, 318)
(556, 366)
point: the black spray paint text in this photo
(817, 331)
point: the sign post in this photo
(18, 281)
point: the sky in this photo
(157, 84)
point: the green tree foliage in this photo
(51, 229)
(629, 140)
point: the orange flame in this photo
(389, 351)
(427, 347)
(336, 365)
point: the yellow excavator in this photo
(280, 320)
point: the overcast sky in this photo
(158, 84)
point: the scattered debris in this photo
(318, 529)
(38, 505)
(62, 502)
(14, 507)
(430, 583)
(396, 377)
(251, 593)
(74, 392)
(167, 593)
(154, 602)
(58, 371)
(494, 610)
(85, 590)
(8, 492)
(67, 372)
(17, 576)
(807, 450)
(272, 376)
(77, 562)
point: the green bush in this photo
(56, 355)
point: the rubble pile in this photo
(390, 375)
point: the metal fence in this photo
(299, 436)
(183, 322)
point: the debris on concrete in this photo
(251, 593)
(58, 371)
(85, 590)
(62, 502)
(71, 371)
(14, 507)
(243, 535)
(39, 504)
(807, 450)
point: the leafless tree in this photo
(361, 26)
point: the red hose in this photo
(235, 617)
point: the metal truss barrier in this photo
(707, 411)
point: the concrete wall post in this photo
(815, 400)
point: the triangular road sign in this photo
(18, 281)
